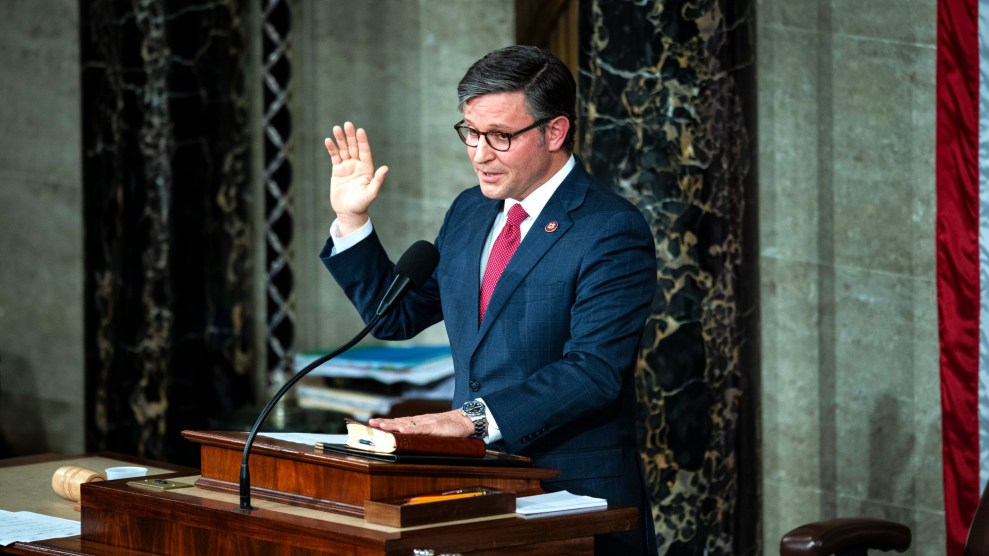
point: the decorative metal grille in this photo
(278, 193)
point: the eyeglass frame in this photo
(508, 135)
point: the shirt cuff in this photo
(343, 242)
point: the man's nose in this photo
(483, 150)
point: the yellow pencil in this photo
(443, 497)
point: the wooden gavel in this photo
(67, 482)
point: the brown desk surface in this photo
(29, 484)
(26, 483)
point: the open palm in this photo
(354, 183)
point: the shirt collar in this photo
(535, 201)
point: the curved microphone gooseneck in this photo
(412, 270)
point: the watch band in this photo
(477, 413)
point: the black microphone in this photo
(413, 269)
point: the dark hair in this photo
(545, 81)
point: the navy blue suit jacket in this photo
(555, 356)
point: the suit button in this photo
(474, 385)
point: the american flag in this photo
(962, 168)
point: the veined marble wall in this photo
(666, 121)
(166, 183)
(850, 406)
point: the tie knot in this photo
(516, 215)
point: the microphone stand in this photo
(245, 473)
(415, 266)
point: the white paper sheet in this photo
(309, 439)
(30, 526)
(557, 502)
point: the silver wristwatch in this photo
(475, 411)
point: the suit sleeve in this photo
(365, 272)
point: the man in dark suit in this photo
(545, 351)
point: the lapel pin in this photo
(552, 226)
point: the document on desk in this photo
(30, 526)
(561, 501)
(309, 439)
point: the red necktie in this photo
(501, 252)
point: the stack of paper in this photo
(368, 380)
(557, 502)
(30, 526)
(387, 364)
(314, 394)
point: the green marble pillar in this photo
(665, 120)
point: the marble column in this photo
(664, 119)
(166, 213)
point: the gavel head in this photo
(68, 479)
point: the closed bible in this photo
(362, 436)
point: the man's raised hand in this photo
(355, 182)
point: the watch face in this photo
(476, 412)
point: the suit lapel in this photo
(465, 243)
(552, 224)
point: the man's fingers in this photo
(430, 423)
(351, 133)
(341, 142)
(331, 148)
(374, 186)
(364, 148)
(349, 143)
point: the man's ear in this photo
(556, 132)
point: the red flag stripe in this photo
(957, 174)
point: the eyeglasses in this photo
(497, 140)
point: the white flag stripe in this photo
(983, 246)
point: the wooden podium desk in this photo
(26, 485)
(119, 519)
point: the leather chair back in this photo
(978, 533)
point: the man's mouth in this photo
(488, 176)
